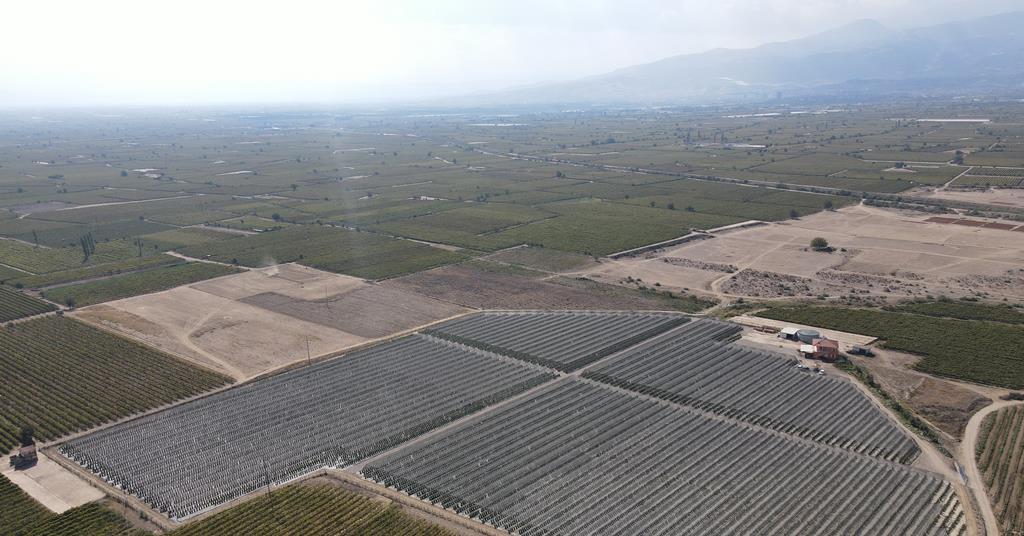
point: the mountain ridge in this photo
(983, 54)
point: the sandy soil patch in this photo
(479, 289)
(381, 311)
(293, 280)
(222, 324)
(944, 404)
(884, 253)
(52, 485)
(1007, 197)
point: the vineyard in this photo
(195, 456)
(40, 260)
(562, 341)
(311, 510)
(136, 283)
(1001, 462)
(578, 457)
(980, 351)
(694, 368)
(364, 255)
(21, 515)
(61, 376)
(92, 271)
(14, 305)
(964, 310)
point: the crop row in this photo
(693, 367)
(136, 283)
(41, 260)
(93, 271)
(564, 340)
(360, 254)
(311, 510)
(60, 375)
(21, 515)
(579, 457)
(195, 456)
(14, 305)
(1000, 457)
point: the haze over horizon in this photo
(112, 53)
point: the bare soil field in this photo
(52, 485)
(250, 323)
(880, 253)
(945, 404)
(381, 311)
(480, 289)
(1006, 197)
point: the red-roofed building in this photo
(823, 349)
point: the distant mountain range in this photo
(862, 59)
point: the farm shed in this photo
(788, 333)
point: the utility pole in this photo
(309, 360)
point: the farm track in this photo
(968, 458)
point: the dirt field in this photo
(880, 253)
(1006, 197)
(52, 485)
(943, 403)
(254, 322)
(480, 289)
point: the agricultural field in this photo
(256, 321)
(62, 376)
(488, 285)
(541, 259)
(329, 414)
(135, 283)
(541, 337)
(999, 449)
(23, 516)
(312, 510)
(97, 271)
(880, 255)
(695, 368)
(363, 255)
(975, 350)
(662, 469)
(964, 310)
(15, 305)
(342, 249)
(35, 260)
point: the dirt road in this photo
(967, 459)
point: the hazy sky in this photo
(111, 52)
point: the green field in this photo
(92, 271)
(979, 351)
(366, 255)
(41, 260)
(964, 310)
(1000, 455)
(21, 515)
(14, 305)
(61, 376)
(312, 510)
(135, 283)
